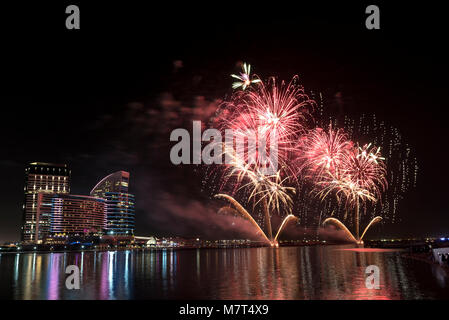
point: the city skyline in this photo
(51, 214)
(97, 190)
(121, 115)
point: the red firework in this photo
(267, 111)
(321, 151)
(358, 177)
(364, 167)
(337, 166)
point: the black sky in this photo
(85, 97)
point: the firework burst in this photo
(267, 190)
(320, 151)
(272, 190)
(358, 178)
(270, 114)
(277, 113)
(244, 79)
(365, 170)
(344, 188)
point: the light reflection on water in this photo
(324, 272)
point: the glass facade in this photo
(119, 204)
(119, 213)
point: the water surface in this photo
(318, 272)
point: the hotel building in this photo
(76, 215)
(45, 178)
(119, 204)
(61, 216)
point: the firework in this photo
(359, 177)
(354, 173)
(340, 225)
(344, 189)
(277, 114)
(268, 190)
(280, 108)
(283, 224)
(365, 170)
(272, 190)
(322, 151)
(401, 160)
(373, 222)
(244, 78)
(244, 213)
(248, 216)
(269, 114)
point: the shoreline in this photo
(76, 250)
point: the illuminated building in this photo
(46, 178)
(43, 215)
(76, 215)
(119, 204)
(66, 215)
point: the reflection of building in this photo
(119, 204)
(43, 178)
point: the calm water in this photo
(327, 272)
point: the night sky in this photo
(105, 98)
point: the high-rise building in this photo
(46, 178)
(119, 206)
